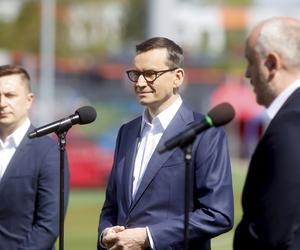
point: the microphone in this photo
(83, 115)
(218, 116)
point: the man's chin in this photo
(143, 102)
(5, 123)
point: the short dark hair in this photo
(9, 69)
(175, 52)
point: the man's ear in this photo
(179, 76)
(272, 63)
(30, 98)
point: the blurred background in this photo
(77, 51)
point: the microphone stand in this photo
(187, 150)
(61, 133)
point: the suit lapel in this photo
(294, 96)
(132, 140)
(15, 161)
(180, 121)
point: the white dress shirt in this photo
(273, 109)
(151, 132)
(9, 146)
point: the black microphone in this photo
(218, 116)
(83, 115)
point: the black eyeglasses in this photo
(149, 75)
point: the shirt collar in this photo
(163, 118)
(273, 109)
(16, 137)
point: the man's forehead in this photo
(11, 82)
(152, 56)
(16, 78)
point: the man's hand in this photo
(131, 239)
(109, 234)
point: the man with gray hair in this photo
(270, 199)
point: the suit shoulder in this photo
(198, 116)
(133, 122)
(44, 142)
(188, 115)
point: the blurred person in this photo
(144, 205)
(270, 198)
(29, 170)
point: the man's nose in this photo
(141, 82)
(2, 101)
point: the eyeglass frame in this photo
(156, 73)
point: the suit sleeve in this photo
(108, 216)
(212, 213)
(278, 210)
(45, 227)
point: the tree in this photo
(135, 13)
(24, 33)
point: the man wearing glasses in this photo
(144, 205)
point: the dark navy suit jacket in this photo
(159, 200)
(29, 196)
(271, 196)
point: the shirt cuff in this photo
(100, 240)
(150, 238)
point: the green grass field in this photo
(80, 231)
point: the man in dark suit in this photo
(29, 171)
(144, 206)
(270, 197)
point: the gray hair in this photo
(282, 37)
